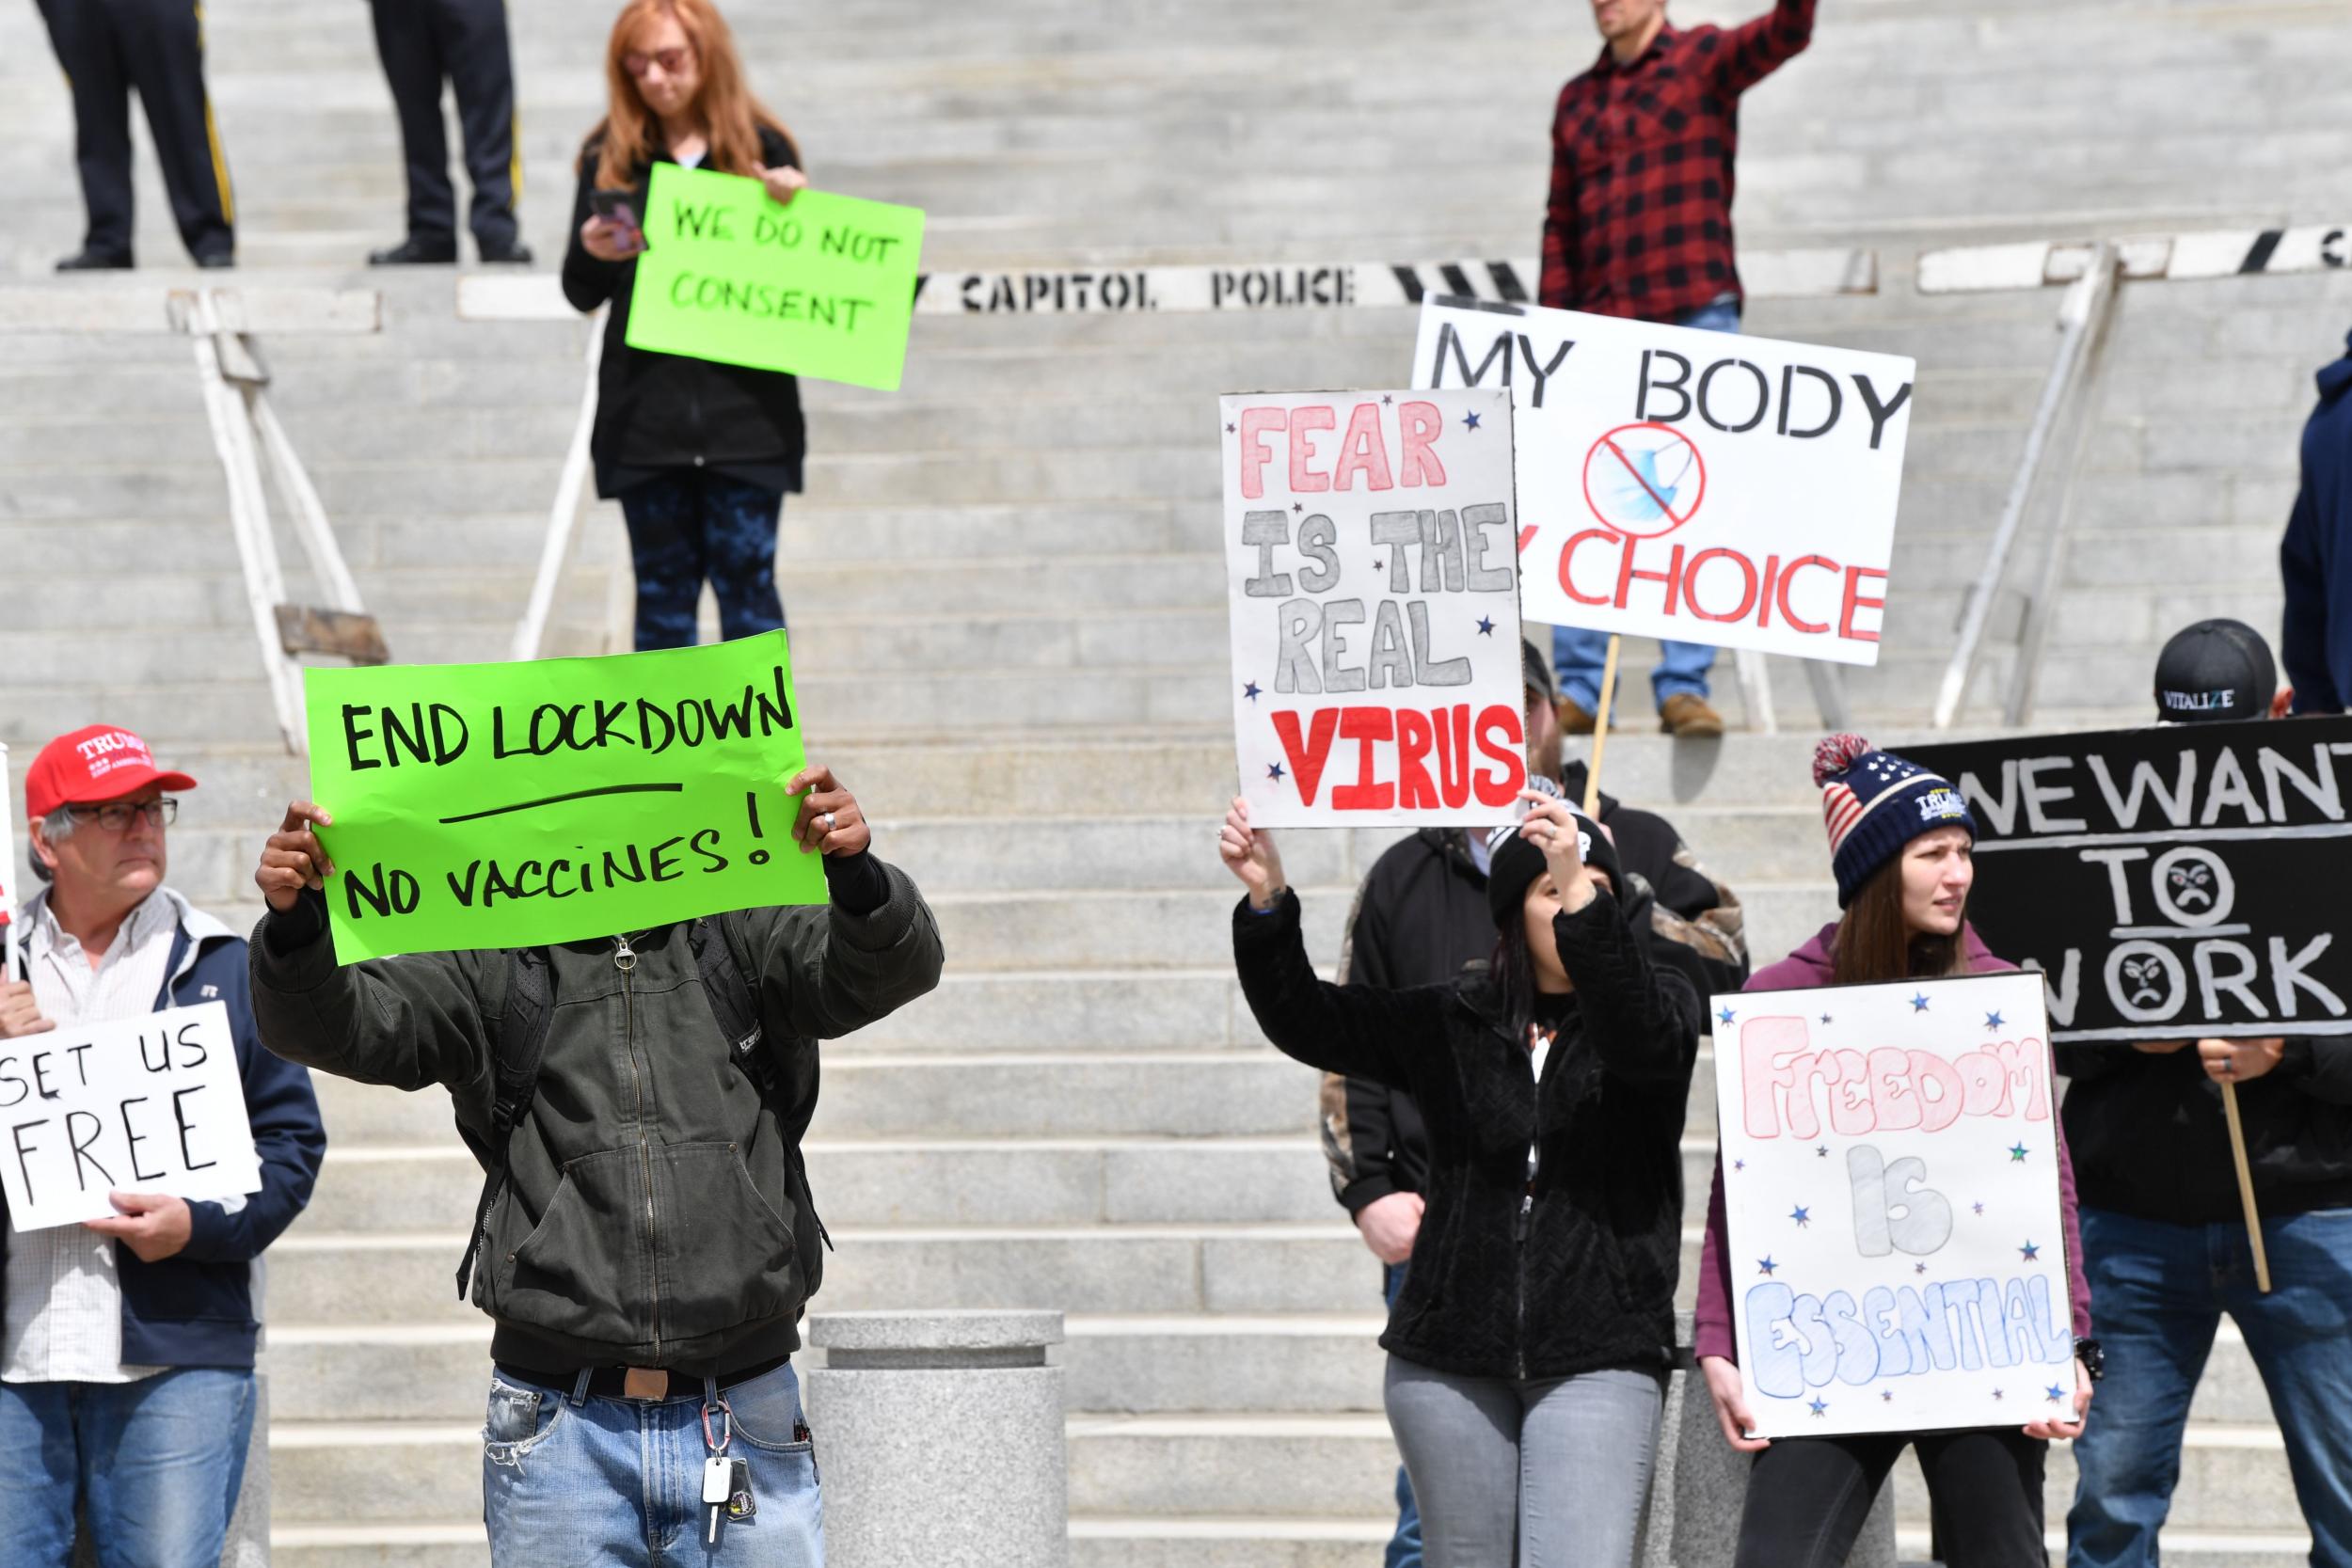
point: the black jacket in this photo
(648, 1214)
(658, 411)
(1421, 916)
(2149, 1137)
(1577, 1273)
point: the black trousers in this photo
(108, 48)
(1808, 1497)
(423, 43)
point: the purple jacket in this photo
(1810, 966)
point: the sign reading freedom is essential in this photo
(1696, 485)
(823, 287)
(2174, 883)
(1374, 596)
(146, 1104)
(513, 806)
(1891, 1186)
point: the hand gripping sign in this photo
(1891, 1184)
(1368, 543)
(1702, 486)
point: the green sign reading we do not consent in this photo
(822, 287)
(516, 805)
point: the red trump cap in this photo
(91, 766)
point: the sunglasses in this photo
(639, 61)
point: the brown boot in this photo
(1687, 716)
(1574, 718)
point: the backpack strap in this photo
(522, 1043)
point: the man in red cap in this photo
(126, 1344)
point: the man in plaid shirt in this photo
(1639, 225)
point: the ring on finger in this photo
(828, 819)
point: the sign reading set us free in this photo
(823, 287)
(145, 1104)
(1891, 1184)
(1375, 612)
(513, 806)
(1702, 486)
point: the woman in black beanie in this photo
(1528, 1352)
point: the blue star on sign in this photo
(1825, 1018)
(1802, 1215)
(1486, 626)
(1765, 1265)
(1818, 1405)
(2017, 1153)
(1250, 692)
(1724, 1015)
(1822, 1152)
(1997, 1393)
(1469, 422)
(1298, 506)
(1228, 430)
(1919, 1002)
(2030, 1251)
(1888, 1394)
(1738, 1164)
(1919, 1268)
(1275, 772)
(1993, 1020)
(1979, 1208)
(2056, 1392)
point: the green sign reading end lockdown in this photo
(823, 287)
(513, 805)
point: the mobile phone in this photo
(615, 207)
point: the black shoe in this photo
(507, 253)
(94, 261)
(415, 252)
(212, 261)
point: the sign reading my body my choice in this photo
(1891, 1184)
(1695, 485)
(511, 806)
(1375, 615)
(145, 1104)
(823, 287)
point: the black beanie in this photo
(1516, 864)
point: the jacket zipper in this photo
(625, 959)
(1527, 1210)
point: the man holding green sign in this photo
(633, 1070)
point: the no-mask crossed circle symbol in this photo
(1644, 480)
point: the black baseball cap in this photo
(1534, 674)
(2213, 671)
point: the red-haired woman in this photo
(699, 454)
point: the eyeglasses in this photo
(637, 61)
(116, 817)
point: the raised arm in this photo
(871, 950)
(1357, 1031)
(407, 1022)
(1754, 50)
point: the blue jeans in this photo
(1405, 1547)
(685, 524)
(1580, 654)
(594, 1482)
(157, 1464)
(2157, 1293)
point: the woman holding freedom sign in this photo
(1527, 1351)
(1901, 844)
(699, 454)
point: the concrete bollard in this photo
(1700, 1485)
(939, 1439)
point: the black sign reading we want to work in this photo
(2180, 881)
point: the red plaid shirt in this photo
(1639, 223)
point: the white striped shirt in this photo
(64, 1296)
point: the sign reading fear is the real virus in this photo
(1898, 1254)
(1371, 539)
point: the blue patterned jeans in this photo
(687, 525)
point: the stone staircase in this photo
(1010, 635)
